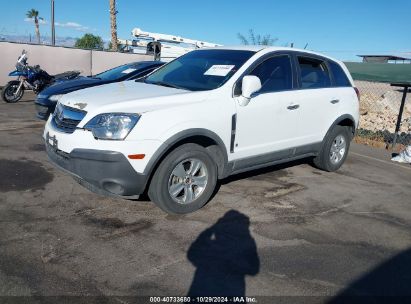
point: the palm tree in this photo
(113, 13)
(33, 14)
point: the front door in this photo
(270, 121)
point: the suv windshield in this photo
(200, 70)
(118, 72)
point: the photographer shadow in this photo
(224, 254)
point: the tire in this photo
(334, 150)
(7, 94)
(170, 178)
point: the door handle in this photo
(334, 101)
(293, 107)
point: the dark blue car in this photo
(47, 99)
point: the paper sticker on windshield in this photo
(128, 71)
(219, 70)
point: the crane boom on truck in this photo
(162, 46)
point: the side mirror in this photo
(250, 85)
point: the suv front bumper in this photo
(103, 172)
(44, 106)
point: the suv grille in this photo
(66, 119)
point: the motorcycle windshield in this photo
(20, 67)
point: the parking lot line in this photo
(380, 160)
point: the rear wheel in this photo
(334, 150)
(184, 181)
(9, 93)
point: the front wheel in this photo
(334, 150)
(9, 93)
(184, 181)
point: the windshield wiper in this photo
(166, 84)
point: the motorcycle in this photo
(31, 78)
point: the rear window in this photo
(118, 72)
(313, 73)
(340, 78)
(144, 72)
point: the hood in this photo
(68, 86)
(121, 96)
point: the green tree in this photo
(34, 14)
(256, 39)
(89, 41)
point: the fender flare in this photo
(337, 121)
(13, 82)
(181, 136)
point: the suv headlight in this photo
(114, 126)
(56, 97)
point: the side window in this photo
(275, 74)
(340, 78)
(314, 73)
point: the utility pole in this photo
(53, 33)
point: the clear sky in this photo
(341, 28)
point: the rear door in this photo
(318, 101)
(344, 91)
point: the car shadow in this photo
(261, 171)
(389, 282)
(265, 170)
(253, 173)
(223, 255)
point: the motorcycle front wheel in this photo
(9, 93)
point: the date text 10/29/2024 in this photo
(203, 300)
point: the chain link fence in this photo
(379, 107)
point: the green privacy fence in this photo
(380, 72)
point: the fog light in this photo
(113, 187)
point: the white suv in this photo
(204, 116)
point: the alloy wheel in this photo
(338, 149)
(188, 181)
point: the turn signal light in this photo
(136, 156)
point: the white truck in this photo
(206, 115)
(162, 47)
